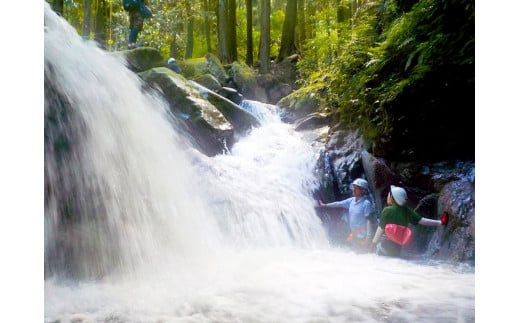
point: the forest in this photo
(402, 72)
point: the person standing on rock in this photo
(137, 11)
(359, 208)
(393, 232)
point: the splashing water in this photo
(140, 228)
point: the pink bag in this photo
(399, 234)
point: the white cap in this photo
(171, 60)
(361, 183)
(398, 194)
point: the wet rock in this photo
(241, 119)
(312, 121)
(278, 91)
(231, 94)
(456, 242)
(208, 126)
(208, 81)
(298, 104)
(216, 68)
(246, 81)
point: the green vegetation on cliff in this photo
(403, 73)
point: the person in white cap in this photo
(359, 208)
(398, 215)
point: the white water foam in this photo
(232, 238)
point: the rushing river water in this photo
(156, 232)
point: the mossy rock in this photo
(143, 58)
(208, 126)
(208, 81)
(194, 67)
(246, 81)
(299, 104)
(217, 69)
(241, 119)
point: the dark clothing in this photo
(136, 20)
(395, 214)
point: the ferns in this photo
(387, 53)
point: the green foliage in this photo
(371, 73)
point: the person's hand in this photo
(320, 202)
(444, 218)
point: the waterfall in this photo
(141, 227)
(121, 187)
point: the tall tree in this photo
(102, 12)
(207, 33)
(232, 30)
(265, 36)
(311, 26)
(301, 22)
(189, 30)
(57, 5)
(341, 11)
(222, 31)
(287, 46)
(86, 19)
(249, 32)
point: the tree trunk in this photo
(189, 31)
(86, 19)
(57, 6)
(249, 32)
(265, 36)
(311, 10)
(222, 32)
(207, 27)
(232, 30)
(301, 22)
(102, 13)
(287, 45)
(341, 11)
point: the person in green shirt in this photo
(397, 213)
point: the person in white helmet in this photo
(359, 208)
(397, 216)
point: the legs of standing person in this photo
(136, 25)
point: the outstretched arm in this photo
(330, 205)
(430, 222)
(377, 236)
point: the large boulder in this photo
(196, 67)
(232, 94)
(143, 58)
(245, 79)
(202, 120)
(299, 104)
(312, 121)
(241, 119)
(456, 242)
(281, 81)
(208, 81)
(216, 69)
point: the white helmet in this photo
(398, 194)
(361, 183)
(171, 60)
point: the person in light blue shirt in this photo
(359, 208)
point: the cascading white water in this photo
(160, 233)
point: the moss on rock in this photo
(207, 125)
(301, 103)
(143, 58)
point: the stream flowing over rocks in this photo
(168, 201)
